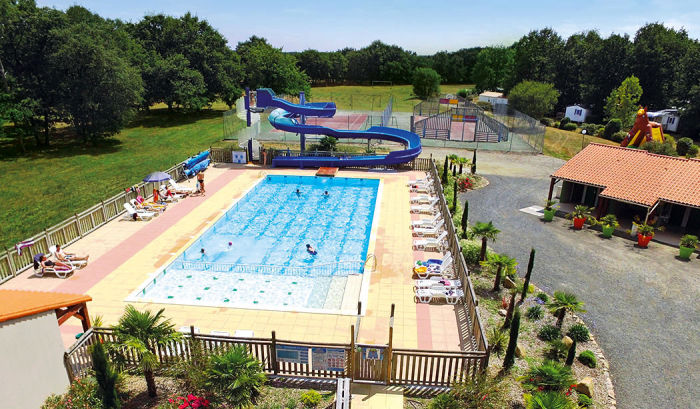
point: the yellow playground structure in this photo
(643, 131)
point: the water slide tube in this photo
(284, 118)
(194, 160)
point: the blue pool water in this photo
(256, 253)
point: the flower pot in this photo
(608, 231)
(686, 252)
(549, 214)
(578, 223)
(643, 241)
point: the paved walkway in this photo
(366, 396)
(125, 253)
(642, 304)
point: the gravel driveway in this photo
(642, 304)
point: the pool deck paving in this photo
(123, 254)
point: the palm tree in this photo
(236, 375)
(563, 302)
(137, 334)
(487, 232)
(499, 262)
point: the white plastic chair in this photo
(422, 199)
(425, 223)
(429, 231)
(59, 271)
(431, 243)
(180, 188)
(435, 282)
(130, 212)
(437, 270)
(78, 264)
(429, 208)
(452, 297)
(443, 260)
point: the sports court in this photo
(352, 122)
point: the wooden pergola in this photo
(19, 303)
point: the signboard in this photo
(373, 354)
(328, 359)
(293, 354)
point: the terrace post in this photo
(551, 188)
(11, 263)
(351, 358)
(77, 225)
(273, 352)
(390, 349)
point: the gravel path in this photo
(642, 304)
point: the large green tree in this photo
(533, 98)
(493, 68)
(426, 83)
(265, 66)
(623, 102)
(614, 51)
(689, 91)
(536, 56)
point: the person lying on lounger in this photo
(45, 263)
(63, 256)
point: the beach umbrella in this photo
(156, 177)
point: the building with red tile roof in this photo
(611, 178)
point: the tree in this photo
(444, 173)
(499, 262)
(536, 55)
(689, 91)
(509, 359)
(623, 102)
(511, 308)
(572, 354)
(315, 64)
(454, 196)
(598, 83)
(137, 334)
(564, 302)
(105, 376)
(486, 231)
(426, 83)
(265, 66)
(533, 98)
(530, 266)
(465, 217)
(474, 162)
(612, 127)
(574, 68)
(493, 68)
(236, 375)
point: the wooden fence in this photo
(73, 228)
(394, 366)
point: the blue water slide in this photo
(284, 118)
(266, 98)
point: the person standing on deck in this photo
(200, 180)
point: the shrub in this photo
(481, 391)
(569, 127)
(618, 136)
(588, 358)
(584, 401)
(547, 121)
(189, 402)
(692, 151)
(557, 350)
(579, 333)
(683, 145)
(291, 404)
(498, 340)
(328, 143)
(426, 82)
(471, 252)
(600, 133)
(548, 376)
(564, 121)
(486, 106)
(547, 400)
(105, 376)
(665, 148)
(542, 297)
(549, 333)
(235, 367)
(556, 124)
(310, 398)
(613, 126)
(689, 241)
(591, 129)
(444, 401)
(463, 93)
(535, 313)
(83, 393)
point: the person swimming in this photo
(325, 193)
(298, 192)
(311, 249)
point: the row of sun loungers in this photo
(149, 210)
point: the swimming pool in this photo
(255, 254)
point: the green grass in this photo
(46, 186)
(565, 144)
(365, 98)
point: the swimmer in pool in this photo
(311, 250)
(298, 192)
(325, 193)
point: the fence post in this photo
(77, 223)
(273, 352)
(48, 239)
(104, 211)
(11, 263)
(69, 368)
(390, 349)
(351, 360)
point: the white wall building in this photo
(576, 113)
(493, 98)
(668, 118)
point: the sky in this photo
(422, 26)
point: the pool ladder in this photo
(372, 256)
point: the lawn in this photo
(565, 144)
(365, 98)
(46, 186)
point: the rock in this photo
(520, 352)
(502, 313)
(567, 341)
(508, 283)
(585, 386)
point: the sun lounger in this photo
(180, 188)
(423, 199)
(436, 244)
(425, 223)
(174, 197)
(429, 231)
(429, 208)
(423, 181)
(439, 291)
(59, 271)
(130, 212)
(146, 207)
(422, 189)
(78, 264)
(437, 283)
(444, 259)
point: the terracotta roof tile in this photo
(635, 175)
(18, 303)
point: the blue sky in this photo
(423, 26)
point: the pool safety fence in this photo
(339, 268)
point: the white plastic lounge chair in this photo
(437, 270)
(172, 198)
(429, 231)
(443, 260)
(78, 264)
(439, 291)
(422, 199)
(429, 208)
(437, 283)
(436, 244)
(222, 333)
(180, 188)
(425, 223)
(423, 181)
(130, 212)
(422, 189)
(59, 271)
(185, 329)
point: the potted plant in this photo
(688, 245)
(580, 214)
(645, 232)
(549, 210)
(609, 223)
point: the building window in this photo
(578, 112)
(671, 120)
